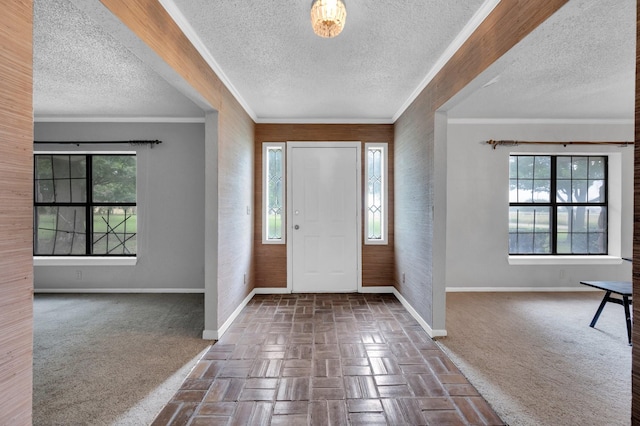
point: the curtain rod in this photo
(495, 144)
(151, 143)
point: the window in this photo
(376, 196)
(84, 204)
(558, 204)
(273, 217)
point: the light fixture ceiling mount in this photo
(328, 17)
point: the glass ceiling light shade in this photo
(328, 17)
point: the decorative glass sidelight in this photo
(376, 195)
(273, 193)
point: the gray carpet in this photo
(535, 359)
(107, 359)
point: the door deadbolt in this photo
(296, 227)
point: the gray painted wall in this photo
(171, 207)
(477, 204)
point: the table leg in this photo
(627, 314)
(600, 308)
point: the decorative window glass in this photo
(84, 205)
(273, 184)
(558, 204)
(376, 194)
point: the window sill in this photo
(565, 260)
(83, 261)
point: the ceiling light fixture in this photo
(327, 17)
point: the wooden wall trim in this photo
(506, 25)
(415, 151)
(152, 24)
(16, 211)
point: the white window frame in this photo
(266, 146)
(614, 218)
(87, 260)
(385, 193)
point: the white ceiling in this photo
(88, 66)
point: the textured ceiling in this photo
(579, 64)
(284, 71)
(82, 71)
(87, 65)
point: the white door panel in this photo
(324, 238)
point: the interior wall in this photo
(152, 24)
(171, 206)
(270, 260)
(506, 25)
(16, 229)
(235, 206)
(477, 212)
(211, 225)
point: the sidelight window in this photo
(376, 193)
(273, 185)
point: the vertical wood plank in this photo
(16, 206)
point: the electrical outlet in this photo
(78, 275)
(245, 278)
(403, 277)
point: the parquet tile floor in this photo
(326, 359)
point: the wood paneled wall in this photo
(635, 356)
(507, 24)
(153, 25)
(270, 260)
(16, 212)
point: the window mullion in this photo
(553, 199)
(88, 209)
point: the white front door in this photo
(324, 230)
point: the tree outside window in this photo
(85, 204)
(557, 204)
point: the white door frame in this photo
(289, 221)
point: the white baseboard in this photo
(118, 290)
(518, 289)
(432, 333)
(272, 290)
(378, 289)
(217, 334)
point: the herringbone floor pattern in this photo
(326, 359)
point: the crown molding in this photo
(192, 35)
(324, 121)
(475, 21)
(559, 121)
(98, 119)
